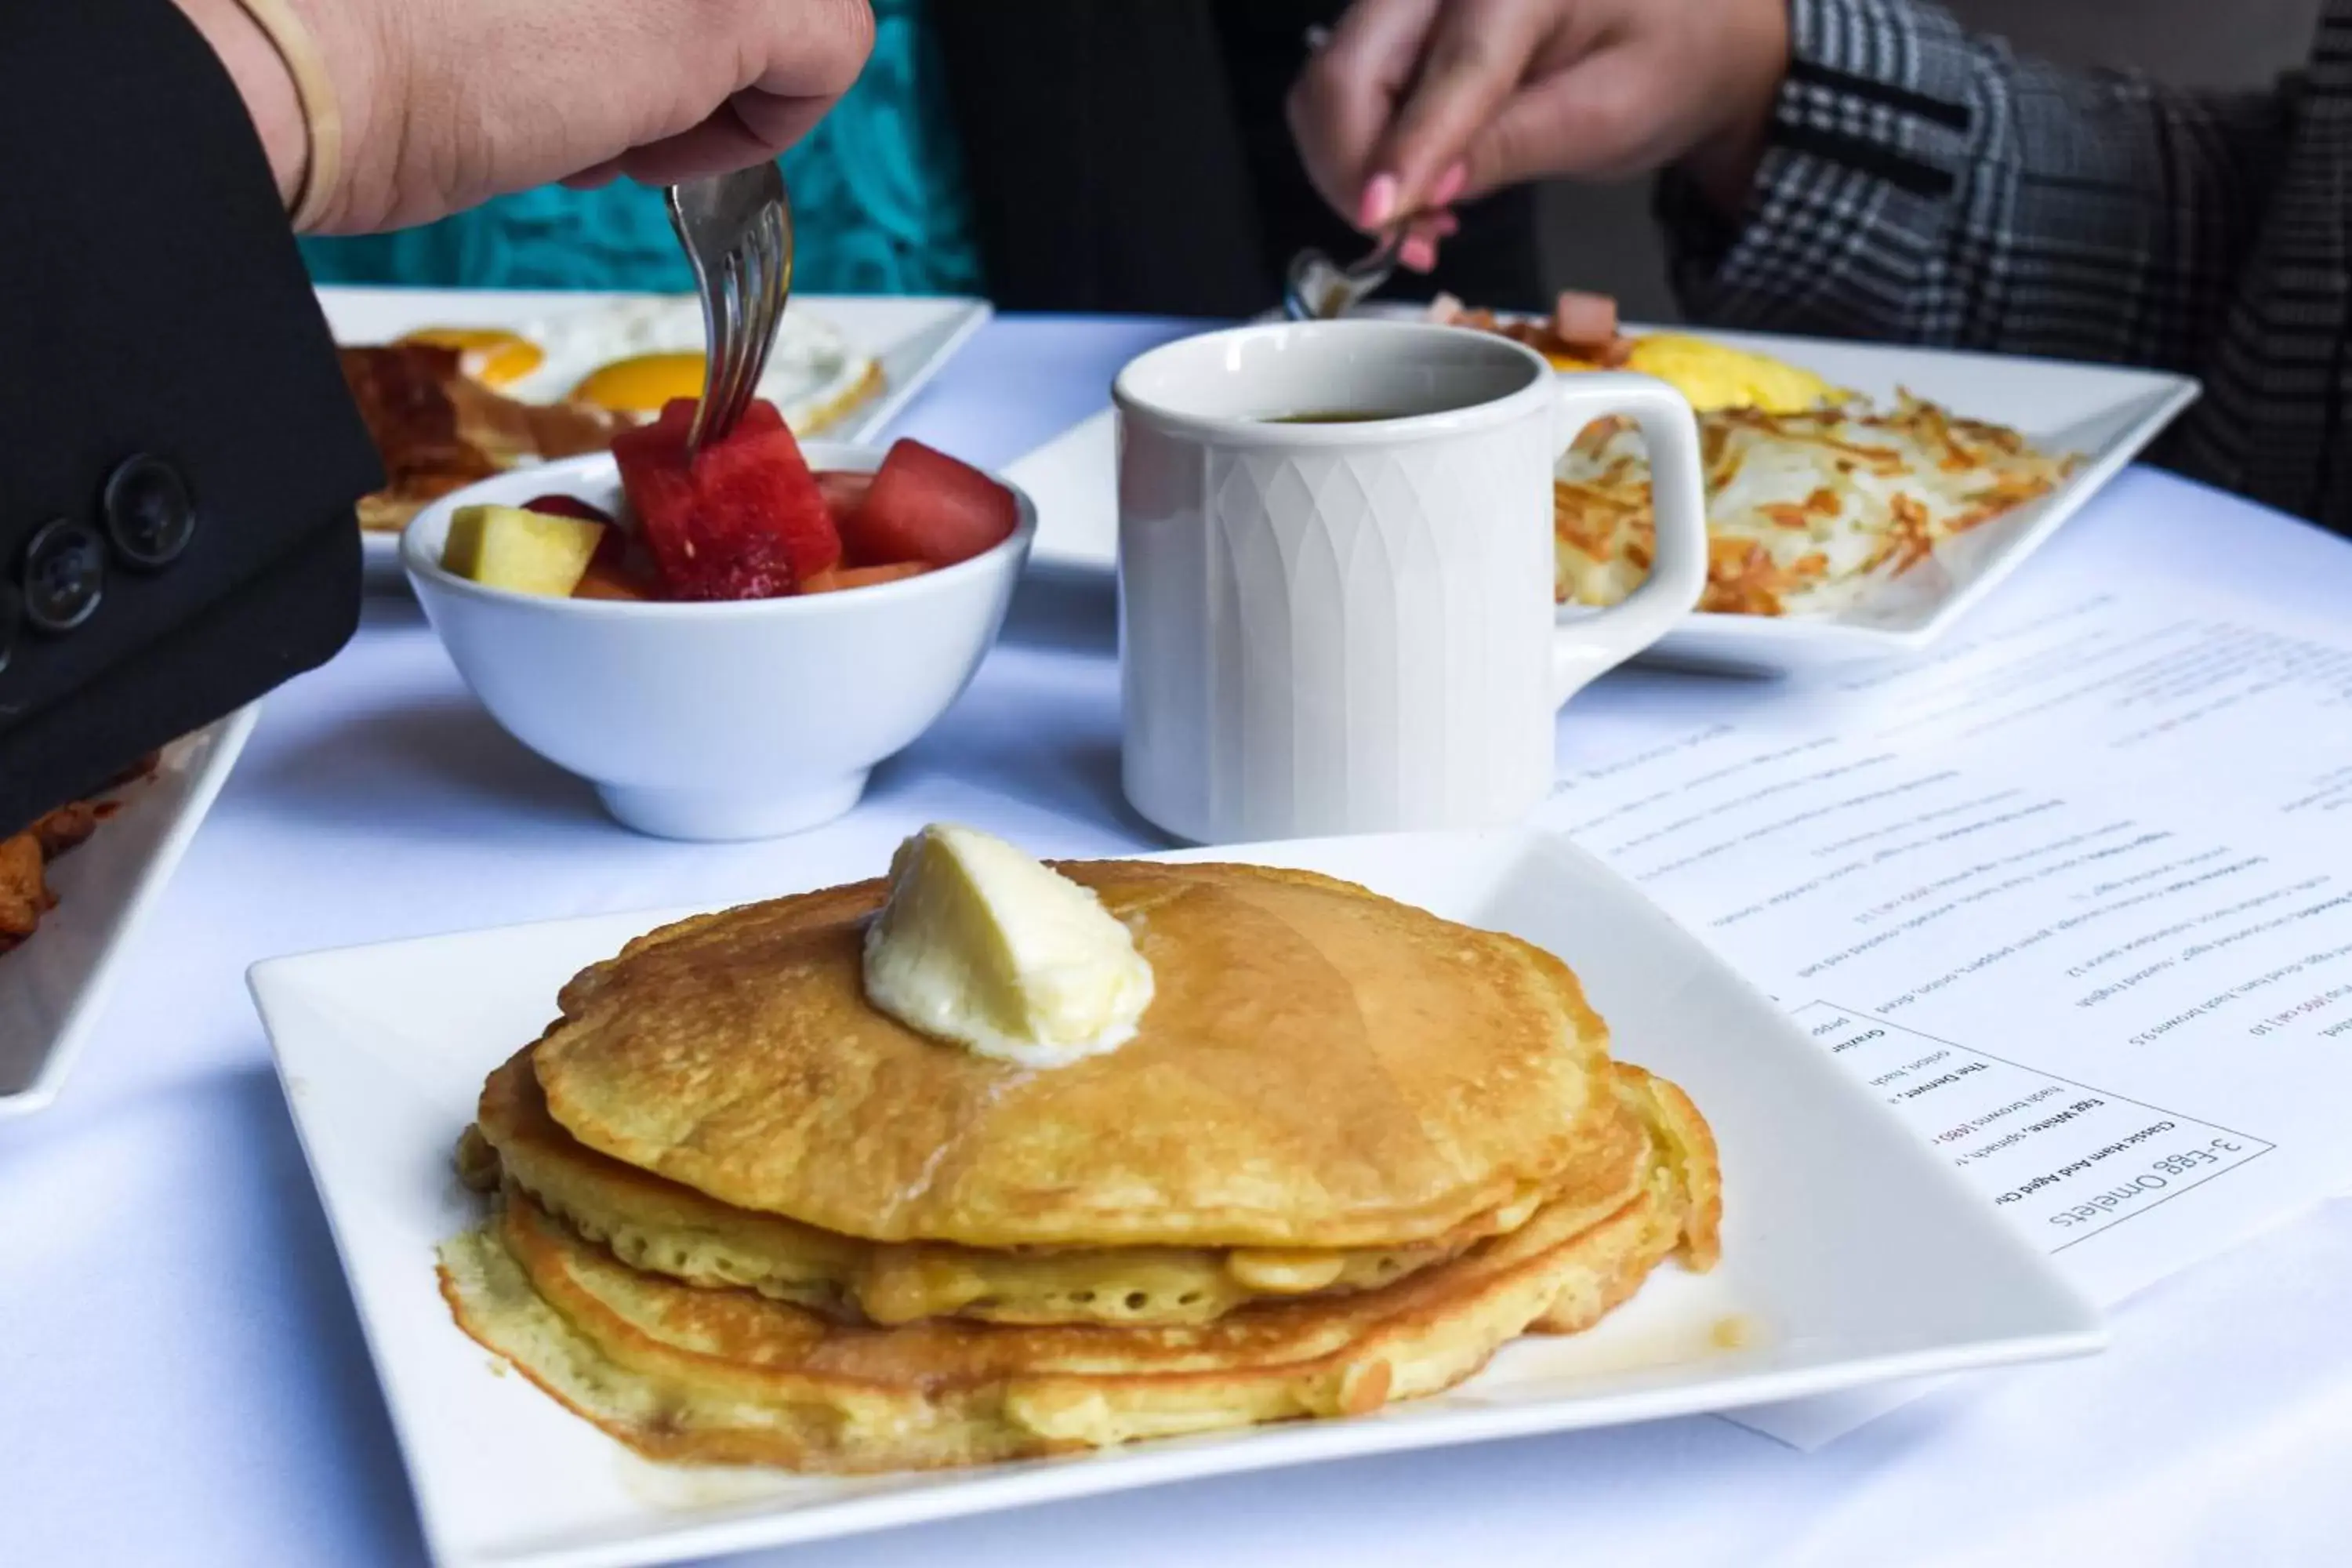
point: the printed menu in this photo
(2074, 894)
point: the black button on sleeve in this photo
(65, 575)
(150, 515)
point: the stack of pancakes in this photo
(1353, 1150)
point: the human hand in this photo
(1414, 104)
(445, 103)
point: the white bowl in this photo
(714, 721)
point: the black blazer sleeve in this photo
(178, 456)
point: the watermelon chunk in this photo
(843, 493)
(744, 520)
(652, 459)
(926, 506)
(758, 484)
(760, 418)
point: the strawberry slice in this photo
(926, 506)
(568, 506)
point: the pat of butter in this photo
(980, 945)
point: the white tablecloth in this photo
(181, 1378)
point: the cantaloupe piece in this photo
(844, 577)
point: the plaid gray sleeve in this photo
(1925, 184)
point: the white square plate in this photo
(1851, 1254)
(51, 987)
(2105, 413)
(911, 336)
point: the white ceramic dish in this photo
(1347, 627)
(911, 337)
(2105, 413)
(714, 720)
(1851, 1254)
(53, 987)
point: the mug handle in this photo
(1589, 642)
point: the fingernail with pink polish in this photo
(1380, 201)
(1418, 255)
(1449, 184)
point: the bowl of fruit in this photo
(726, 644)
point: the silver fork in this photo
(738, 233)
(1317, 288)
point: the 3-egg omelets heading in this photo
(1814, 496)
(1353, 1150)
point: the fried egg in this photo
(1806, 511)
(631, 356)
(491, 355)
(641, 384)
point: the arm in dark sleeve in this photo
(1923, 184)
(153, 306)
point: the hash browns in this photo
(1805, 511)
(25, 894)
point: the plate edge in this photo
(234, 730)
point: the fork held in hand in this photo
(1315, 288)
(738, 233)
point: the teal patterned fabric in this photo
(877, 208)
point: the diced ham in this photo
(1584, 320)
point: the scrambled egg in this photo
(1714, 376)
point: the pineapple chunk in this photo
(527, 551)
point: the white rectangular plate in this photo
(52, 986)
(1851, 1254)
(912, 336)
(2105, 413)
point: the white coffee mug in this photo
(1343, 623)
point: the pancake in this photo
(731, 1377)
(661, 1225)
(1320, 1068)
